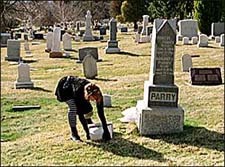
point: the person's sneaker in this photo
(77, 139)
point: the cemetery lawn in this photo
(41, 137)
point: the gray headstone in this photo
(67, 43)
(4, 38)
(23, 78)
(222, 40)
(159, 112)
(90, 67)
(185, 41)
(186, 62)
(217, 29)
(188, 28)
(107, 100)
(194, 40)
(13, 50)
(83, 52)
(163, 48)
(203, 40)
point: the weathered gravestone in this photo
(194, 40)
(216, 29)
(222, 40)
(145, 24)
(23, 78)
(27, 47)
(55, 50)
(186, 62)
(159, 112)
(187, 28)
(185, 41)
(4, 38)
(90, 67)
(107, 100)
(13, 50)
(205, 76)
(112, 42)
(83, 52)
(49, 38)
(203, 40)
(217, 39)
(67, 43)
(88, 34)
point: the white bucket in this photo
(96, 130)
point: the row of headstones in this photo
(202, 40)
(24, 81)
(53, 41)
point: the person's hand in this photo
(106, 135)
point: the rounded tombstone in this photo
(107, 100)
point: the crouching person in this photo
(78, 93)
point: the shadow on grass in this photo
(29, 61)
(38, 89)
(103, 79)
(195, 136)
(130, 54)
(126, 148)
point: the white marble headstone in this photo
(49, 38)
(67, 44)
(23, 78)
(145, 24)
(56, 39)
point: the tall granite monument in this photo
(159, 112)
(112, 42)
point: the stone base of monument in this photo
(112, 50)
(8, 58)
(112, 47)
(159, 120)
(88, 38)
(19, 85)
(56, 54)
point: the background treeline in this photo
(44, 13)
